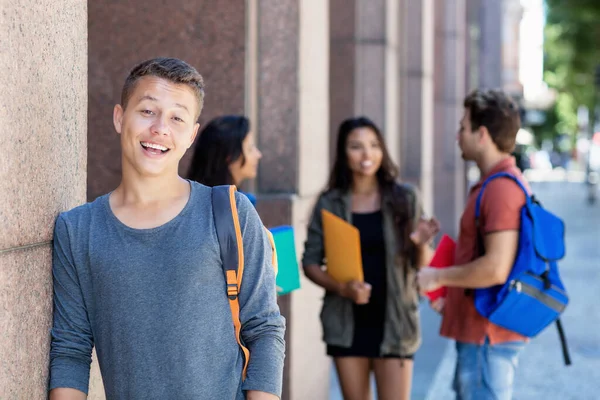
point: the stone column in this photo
(472, 47)
(292, 91)
(309, 366)
(416, 122)
(490, 22)
(449, 93)
(393, 82)
(358, 38)
(43, 122)
(210, 35)
(370, 48)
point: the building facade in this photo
(297, 68)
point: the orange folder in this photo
(443, 257)
(342, 249)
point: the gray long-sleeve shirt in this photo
(153, 302)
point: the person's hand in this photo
(438, 305)
(428, 279)
(425, 231)
(256, 395)
(359, 292)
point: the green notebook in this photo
(288, 274)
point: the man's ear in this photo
(118, 118)
(484, 134)
(194, 134)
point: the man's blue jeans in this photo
(486, 372)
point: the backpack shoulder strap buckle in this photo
(232, 286)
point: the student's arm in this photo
(424, 254)
(314, 253)
(501, 211)
(312, 263)
(491, 269)
(321, 278)
(254, 395)
(71, 342)
(425, 229)
(67, 394)
(263, 327)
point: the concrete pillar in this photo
(490, 22)
(472, 47)
(290, 79)
(210, 35)
(370, 49)
(358, 69)
(309, 366)
(512, 14)
(416, 122)
(393, 82)
(449, 72)
(43, 125)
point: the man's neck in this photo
(136, 190)
(490, 160)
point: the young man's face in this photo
(468, 141)
(157, 126)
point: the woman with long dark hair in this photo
(225, 153)
(371, 325)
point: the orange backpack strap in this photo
(227, 225)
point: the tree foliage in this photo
(572, 53)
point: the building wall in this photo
(417, 96)
(210, 35)
(512, 13)
(296, 67)
(449, 77)
(292, 85)
(490, 44)
(42, 169)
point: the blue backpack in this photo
(533, 296)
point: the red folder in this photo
(443, 257)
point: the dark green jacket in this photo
(401, 328)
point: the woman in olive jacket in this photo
(371, 325)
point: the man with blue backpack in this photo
(504, 287)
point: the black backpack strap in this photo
(563, 342)
(225, 218)
(229, 234)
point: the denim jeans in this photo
(486, 372)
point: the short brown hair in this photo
(171, 69)
(496, 111)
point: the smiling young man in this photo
(138, 274)
(487, 354)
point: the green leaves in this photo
(572, 36)
(571, 54)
